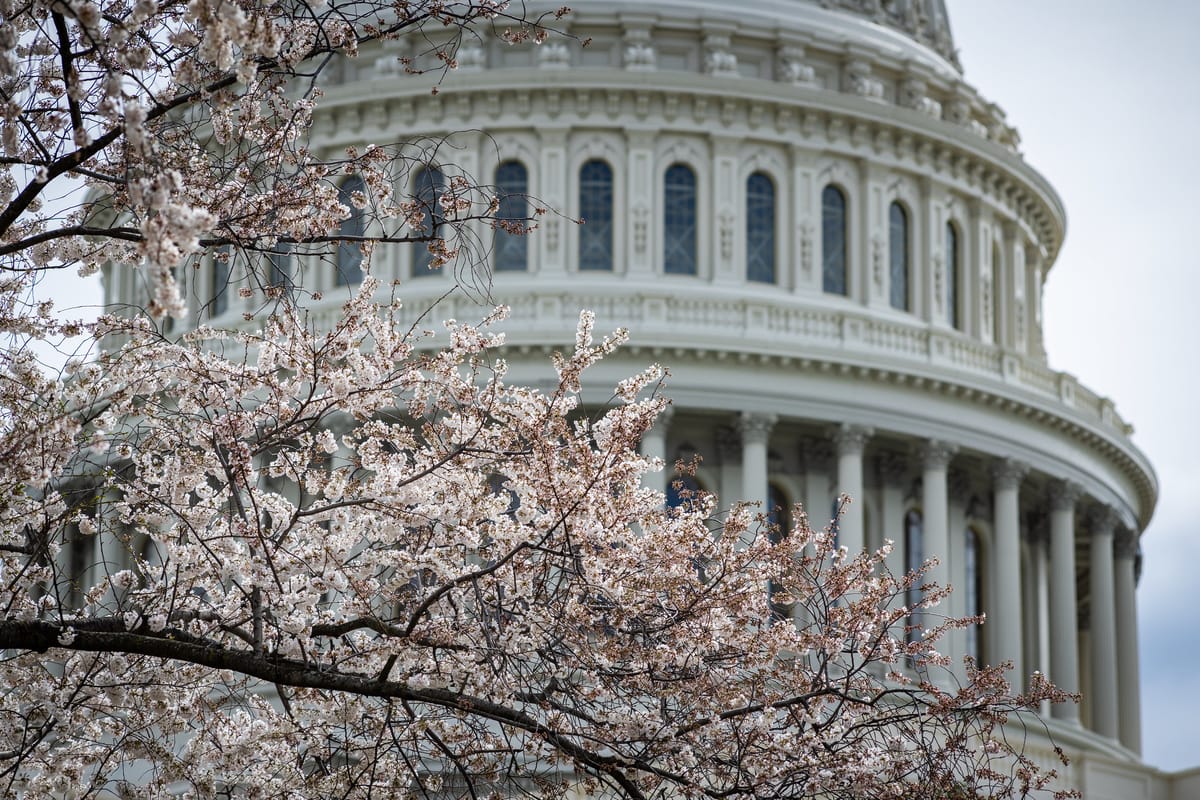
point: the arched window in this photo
(997, 270)
(221, 263)
(914, 550)
(833, 240)
(952, 275)
(973, 594)
(427, 190)
(349, 253)
(279, 268)
(596, 210)
(512, 187)
(898, 255)
(760, 228)
(679, 220)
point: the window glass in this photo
(596, 209)
(952, 275)
(349, 253)
(679, 220)
(833, 240)
(760, 228)
(898, 256)
(512, 186)
(221, 264)
(427, 191)
(279, 267)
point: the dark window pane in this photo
(512, 187)
(760, 228)
(280, 267)
(349, 253)
(898, 255)
(951, 275)
(679, 220)
(222, 261)
(833, 240)
(596, 209)
(427, 190)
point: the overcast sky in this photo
(1106, 95)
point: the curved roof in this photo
(926, 21)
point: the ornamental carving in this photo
(639, 53)
(1008, 473)
(806, 249)
(923, 20)
(553, 55)
(470, 57)
(1063, 495)
(858, 81)
(755, 428)
(793, 69)
(641, 222)
(718, 58)
(936, 454)
(913, 94)
(877, 255)
(851, 439)
(727, 221)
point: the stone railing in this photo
(791, 327)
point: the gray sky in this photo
(1106, 95)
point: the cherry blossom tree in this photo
(358, 563)
(142, 132)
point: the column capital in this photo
(1102, 521)
(1063, 495)
(936, 454)
(1126, 544)
(1008, 472)
(851, 439)
(755, 428)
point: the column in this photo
(654, 445)
(849, 441)
(1005, 618)
(816, 456)
(935, 506)
(1104, 624)
(893, 468)
(755, 430)
(1129, 697)
(1064, 653)
(1038, 645)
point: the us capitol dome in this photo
(834, 244)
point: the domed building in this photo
(834, 244)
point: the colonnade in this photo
(1109, 656)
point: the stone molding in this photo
(1008, 473)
